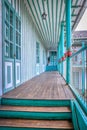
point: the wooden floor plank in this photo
(36, 123)
(49, 85)
(36, 109)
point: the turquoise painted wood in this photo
(83, 70)
(34, 102)
(12, 50)
(82, 118)
(68, 37)
(79, 99)
(78, 116)
(0, 100)
(62, 45)
(79, 51)
(51, 68)
(16, 128)
(35, 115)
(74, 116)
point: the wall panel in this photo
(0, 47)
(29, 38)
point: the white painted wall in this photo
(0, 47)
(29, 38)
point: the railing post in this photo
(59, 56)
(83, 71)
(62, 45)
(68, 37)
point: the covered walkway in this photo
(39, 81)
(48, 85)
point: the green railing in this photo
(79, 73)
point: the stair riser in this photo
(16, 128)
(35, 115)
(25, 102)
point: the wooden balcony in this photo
(49, 85)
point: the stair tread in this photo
(35, 109)
(36, 123)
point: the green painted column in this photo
(62, 45)
(83, 70)
(68, 37)
(58, 57)
(60, 53)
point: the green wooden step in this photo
(22, 124)
(35, 112)
(34, 102)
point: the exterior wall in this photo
(0, 47)
(28, 52)
(29, 37)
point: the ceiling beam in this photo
(76, 6)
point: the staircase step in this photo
(35, 109)
(35, 112)
(21, 124)
(35, 102)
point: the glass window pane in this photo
(11, 17)
(19, 26)
(17, 23)
(6, 12)
(7, 49)
(16, 52)
(19, 40)
(11, 34)
(16, 37)
(6, 31)
(11, 50)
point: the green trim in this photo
(82, 118)
(79, 99)
(0, 100)
(35, 115)
(74, 116)
(74, 15)
(20, 128)
(79, 51)
(34, 102)
(76, 6)
(11, 42)
(78, 116)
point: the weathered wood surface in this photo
(49, 85)
(36, 123)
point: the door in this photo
(11, 47)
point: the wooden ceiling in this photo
(49, 29)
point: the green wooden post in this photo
(60, 53)
(68, 38)
(62, 45)
(83, 70)
(59, 56)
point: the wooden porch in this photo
(42, 103)
(49, 85)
